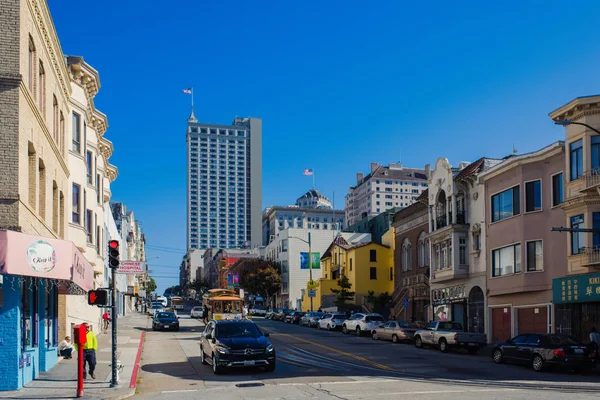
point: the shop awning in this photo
(28, 255)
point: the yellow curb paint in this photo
(359, 358)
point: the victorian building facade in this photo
(577, 294)
(457, 251)
(524, 195)
(411, 261)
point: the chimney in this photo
(428, 170)
(359, 177)
(373, 166)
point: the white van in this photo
(163, 300)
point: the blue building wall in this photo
(17, 366)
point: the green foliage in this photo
(200, 286)
(150, 286)
(261, 277)
(344, 294)
(378, 303)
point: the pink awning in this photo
(29, 255)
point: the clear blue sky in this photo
(338, 84)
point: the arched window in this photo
(406, 259)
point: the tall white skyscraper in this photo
(224, 184)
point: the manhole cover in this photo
(249, 384)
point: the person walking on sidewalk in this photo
(65, 348)
(89, 351)
(105, 320)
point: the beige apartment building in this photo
(524, 195)
(577, 294)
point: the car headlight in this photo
(269, 349)
(222, 350)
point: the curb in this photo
(124, 395)
(136, 366)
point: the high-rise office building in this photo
(224, 184)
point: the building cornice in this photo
(112, 172)
(44, 21)
(577, 108)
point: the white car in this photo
(257, 311)
(155, 309)
(362, 323)
(197, 312)
(331, 321)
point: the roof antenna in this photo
(514, 150)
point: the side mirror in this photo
(267, 334)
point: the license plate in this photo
(249, 363)
(166, 326)
(471, 344)
(578, 351)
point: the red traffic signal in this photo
(113, 254)
(113, 244)
(98, 297)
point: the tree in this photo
(151, 286)
(172, 291)
(262, 277)
(344, 294)
(380, 302)
(201, 285)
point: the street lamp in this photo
(309, 263)
(565, 122)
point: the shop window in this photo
(51, 317)
(29, 337)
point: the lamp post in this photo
(565, 122)
(309, 263)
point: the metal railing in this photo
(592, 178)
(591, 255)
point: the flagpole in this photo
(192, 98)
(313, 176)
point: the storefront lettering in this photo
(595, 281)
(566, 290)
(41, 256)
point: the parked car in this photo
(311, 319)
(544, 350)
(258, 311)
(395, 331)
(271, 312)
(447, 334)
(280, 316)
(235, 344)
(197, 312)
(164, 321)
(155, 308)
(331, 321)
(361, 322)
(294, 317)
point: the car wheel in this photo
(216, 369)
(344, 329)
(497, 356)
(537, 363)
(395, 339)
(358, 331)
(443, 345)
(418, 342)
(374, 335)
(202, 356)
(270, 368)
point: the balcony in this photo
(591, 180)
(590, 257)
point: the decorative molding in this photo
(52, 44)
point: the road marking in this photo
(430, 392)
(359, 358)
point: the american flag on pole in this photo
(187, 91)
(308, 172)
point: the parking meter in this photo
(80, 338)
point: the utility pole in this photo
(114, 262)
(310, 269)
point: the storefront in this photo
(33, 272)
(454, 303)
(577, 300)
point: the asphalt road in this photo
(322, 364)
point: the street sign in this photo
(405, 302)
(311, 285)
(312, 293)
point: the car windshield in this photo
(156, 307)
(317, 314)
(196, 308)
(339, 316)
(165, 315)
(561, 340)
(374, 318)
(408, 325)
(448, 326)
(232, 330)
(287, 312)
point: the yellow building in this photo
(368, 266)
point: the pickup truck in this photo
(446, 335)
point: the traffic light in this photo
(113, 254)
(98, 297)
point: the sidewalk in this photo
(61, 381)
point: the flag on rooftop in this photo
(308, 172)
(187, 91)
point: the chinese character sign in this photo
(576, 289)
(315, 260)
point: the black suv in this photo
(234, 344)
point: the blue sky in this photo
(339, 84)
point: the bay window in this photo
(507, 260)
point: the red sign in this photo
(131, 267)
